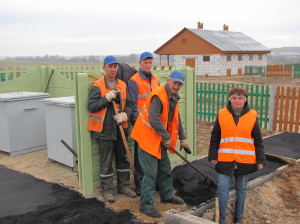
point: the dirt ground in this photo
(276, 201)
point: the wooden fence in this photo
(279, 71)
(287, 109)
(274, 70)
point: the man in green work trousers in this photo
(104, 124)
(156, 129)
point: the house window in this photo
(250, 57)
(206, 58)
(240, 57)
(228, 57)
(260, 57)
(183, 41)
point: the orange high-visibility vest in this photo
(236, 142)
(145, 135)
(144, 89)
(96, 119)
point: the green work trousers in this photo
(108, 150)
(155, 172)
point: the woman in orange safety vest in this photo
(236, 149)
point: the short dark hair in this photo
(239, 91)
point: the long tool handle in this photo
(69, 147)
(124, 139)
(192, 165)
(49, 81)
(217, 211)
(75, 154)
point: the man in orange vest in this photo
(104, 126)
(140, 86)
(157, 129)
(236, 149)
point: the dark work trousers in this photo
(138, 175)
(155, 172)
(109, 149)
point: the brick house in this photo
(214, 53)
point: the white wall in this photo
(218, 64)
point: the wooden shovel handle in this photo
(192, 165)
(124, 139)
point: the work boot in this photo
(237, 220)
(151, 212)
(109, 197)
(138, 190)
(128, 192)
(175, 200)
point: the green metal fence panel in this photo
(8, 73)
(297, 71)
(31, 81)
(255, 70)
(210, 99)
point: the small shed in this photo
(214, 53)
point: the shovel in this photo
(74, 153)
(212, 180)
(124, 139)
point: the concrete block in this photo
(180, 217)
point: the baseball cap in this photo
(110, 60)
(177, 76)
(146, 55)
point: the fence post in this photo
(273, 89)
(265, 71)
(293, 69)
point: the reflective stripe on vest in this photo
(236, 143)
(144, 120)
(96, 119)
(144, 88)
(237, 139)
(236, 151)
(145, 135)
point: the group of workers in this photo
(235, 149)
(153, 111)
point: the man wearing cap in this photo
(104, 125)
(140, 86)
(156, 129)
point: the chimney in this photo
(225, 27)
(200, 25)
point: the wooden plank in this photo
(286, 159)
(286, 120)
(293, 98)
(280, 121)
(297, 113)
(276, 109)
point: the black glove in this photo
(185, 145)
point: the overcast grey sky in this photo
(97, 27)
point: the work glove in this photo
(184, 144)
(166, 143)
(120, 118)
(112, 94)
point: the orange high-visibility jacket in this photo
(144, 89)
(236, 142)
(145, 135)
(96, 119)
